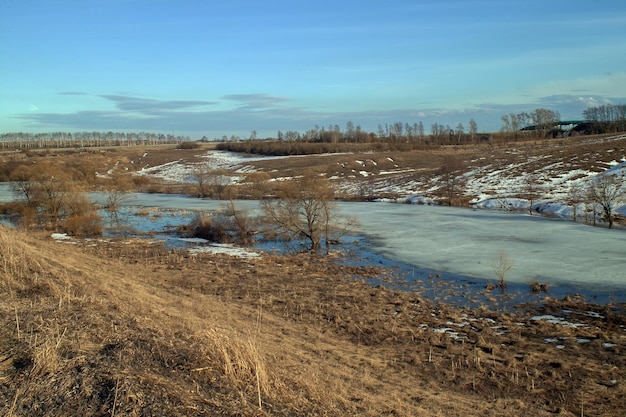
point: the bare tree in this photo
(606, 191)
(508, 124)
(257, 184)
(575, 196)
(473, 129)
(117, 193)
(211, 182)
(241, 225)
(23, 183)
(544, 120)
(50, 193)
(452, 180)
(420, 129)
(459, 132)
(304, 209)
(350, 131)
(531, 189)
(201, 175)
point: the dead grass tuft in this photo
(239, 359)
(18, 270)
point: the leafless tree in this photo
(473, 129)
(211, 182)
(201, 175)
(575, 196)
(257, 184)
(304, 209)
(117, 193)
(242, 225)
(50, 193)
(459, 131)
(606, 191)
(450, 174)
(23, 183)
(531, 189)
(544, 120)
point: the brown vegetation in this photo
(128, 328)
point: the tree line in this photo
(539, 123)
(608, 118)
(541, 120)
(332, 139)
(23, 140)
(544, 122)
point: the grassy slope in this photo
(130, 329)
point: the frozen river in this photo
(468, 242)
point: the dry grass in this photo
(128, 328)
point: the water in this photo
(463, 244)
(434, 248)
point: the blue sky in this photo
(218, 68)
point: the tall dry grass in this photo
(18, 270)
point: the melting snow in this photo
(224, 248)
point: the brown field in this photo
(386, 171)
(125, 327)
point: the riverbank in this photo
(126, 325)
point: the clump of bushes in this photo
(205, 227)
(229, 226)
(84, 225)
(188, 145)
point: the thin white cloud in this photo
(138, 104)
(256, 101)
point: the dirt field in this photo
(127, 328)
(484, 167)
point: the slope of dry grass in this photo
(128, 328)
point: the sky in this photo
(213, 68)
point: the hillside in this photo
(103, 327)
(491, 175)
(498, 175)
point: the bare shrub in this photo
(27, 217)
(204, 227)
(85, 225)
(142, 181)
(575, 196)
(188, 145)
(77, 204)
(501, 267)
(117, 193)
(242, 225)
(211, 182)
(257, 184)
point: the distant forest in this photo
(84, 139)
(543, 123)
